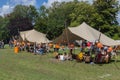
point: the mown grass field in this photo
(26, 66)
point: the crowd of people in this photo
(29, 47)
(94, 52)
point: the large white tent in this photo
(85, 32)
(34, 36)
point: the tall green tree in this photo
(22, 18)
(4, 33)
(82, 12)
(56, 19)
(106, 15)
(41, 20)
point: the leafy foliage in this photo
(21, 19)
(107, 11)
(4, 33)
(102, 14)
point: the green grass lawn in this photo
(26, 66)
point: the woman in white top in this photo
(61, 57)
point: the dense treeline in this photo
(101, 15)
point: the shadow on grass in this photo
(117, 66)
(112, 61)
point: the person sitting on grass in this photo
(70, 56)
(61, 57)
(65, 56)
(79, 57)
(56, 55)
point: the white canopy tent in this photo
(85, 32)
(34, 36)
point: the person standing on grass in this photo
(16, 49)
(11, 44)
(2, 44)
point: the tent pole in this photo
(66, 32)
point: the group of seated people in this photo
(96, 53)
(89, 52)
(63, 56)
(96, 58)
(86, 57)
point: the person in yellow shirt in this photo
(80, 56)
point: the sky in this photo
(6, 6)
